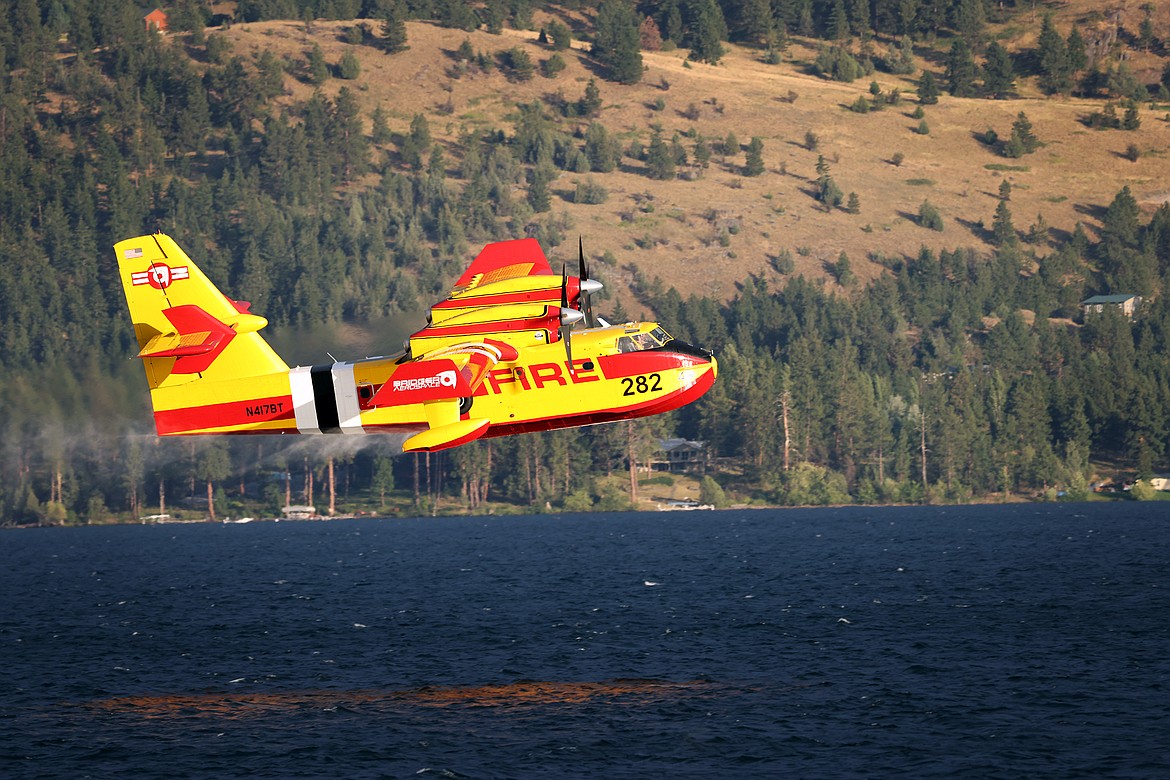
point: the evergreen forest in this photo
(945, 375)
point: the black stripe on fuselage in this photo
(325, 399)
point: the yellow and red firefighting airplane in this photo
(498, 356)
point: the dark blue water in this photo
(1022, 641)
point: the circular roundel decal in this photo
(160, 275)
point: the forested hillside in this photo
(883, 334)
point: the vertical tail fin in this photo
(186, 328)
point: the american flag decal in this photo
(159, 275)
(131, 254)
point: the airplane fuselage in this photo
(538, 390)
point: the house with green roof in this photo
(1127, 302)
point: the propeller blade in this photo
(588, 287)
(566, 319)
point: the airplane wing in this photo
(507, 300)
(505, 260)
(509, 293)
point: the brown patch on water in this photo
(233, 705)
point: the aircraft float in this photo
(513, 348)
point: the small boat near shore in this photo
(685, 505)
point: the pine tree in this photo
(838, 23)
(494, 13)
(961, 70)
(539, 178)
(929, 216)
(1146, 37)
(659, 159)
(417, 142)
(677, 150)
(1038, 231)
(755, 23)
(1002, 229)
(1132, 120)
(706, 31)
(755, 157)
(859, 17)
(1022, 132)
(969, 19)
(590, 103)
(1055, 68)
(828, 192)
(999, 80)
(928, 89)
(318, 69)
(519, 64)
(560, 37)
(834, 62)
(600, 150)
(552, 66)
(1120, 224)
(730, 144)
(345, 127)
(521, 14)
(457, 14)
(393, 18)
(1075, 52)
(349, 67)
(702, 152)
(616, 41)
(672, 22)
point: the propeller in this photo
(588, 287)
(569, 317)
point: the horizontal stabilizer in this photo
(445, 436)
(175, 345)
(196, 341)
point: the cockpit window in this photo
(638, 342)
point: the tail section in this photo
(187, 329)
(208, 369)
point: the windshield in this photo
(637, 342)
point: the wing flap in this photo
(179, 344)
(506, 260)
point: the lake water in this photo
(1018, 641)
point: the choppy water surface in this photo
(1023, 641)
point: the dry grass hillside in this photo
(673, 229)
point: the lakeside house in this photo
(681, 457)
